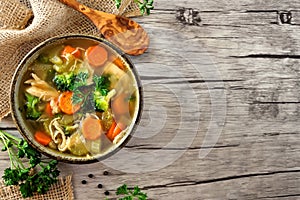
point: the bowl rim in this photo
(14, 109)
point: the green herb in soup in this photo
(79, 98)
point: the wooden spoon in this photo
(125, 33)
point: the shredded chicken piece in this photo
(58, 135)
(73, 67)
(54, 106)
(41, 88)
(61, 140)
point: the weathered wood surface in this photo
(247, 50)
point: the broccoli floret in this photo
(101, 104)
(65, 81)
(101, 92)
(102, 84)
(70, 81)
(31, 107)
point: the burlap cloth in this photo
(62, 190)
(25, 23)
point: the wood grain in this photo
(257, 58)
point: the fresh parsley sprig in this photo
(118, 3)
(80, 80)
(131, 194)
(34, 175)
(145, 6)
(79, 96)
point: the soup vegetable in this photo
(79, 97)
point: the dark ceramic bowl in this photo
(17, 100)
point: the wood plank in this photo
(233, 33)
(257, 153)
(223, 5)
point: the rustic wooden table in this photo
(221, 106)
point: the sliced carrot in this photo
(65, 103)
(48, 110)
(71, 50)
(96, 55)
(120, 105)
(117, 61)
(110, 132)
(91, 128)
(42, 138)
(115, 129)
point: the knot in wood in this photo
(81, 8)
(188, 16)
(285, 17)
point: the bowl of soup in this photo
(76, 98)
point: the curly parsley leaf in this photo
(118, 3)
(26, 189)
(122, 190)
(80, 80)
(131, 194)
(145, 6)
(34, 175)
(79, 97)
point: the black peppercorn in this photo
(105, 173)
(83, 182)
(100, 185)
(106, 193)
(90, 175)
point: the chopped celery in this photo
(77, 145)
(60, 68)
(56, 60)
(46, 126)
(95, 147)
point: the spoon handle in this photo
(74, 4)
(96, 16)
